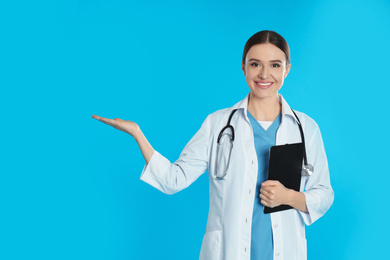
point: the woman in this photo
(237, 227)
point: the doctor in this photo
(237, 228)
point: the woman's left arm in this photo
(317, 189)
(317, 195)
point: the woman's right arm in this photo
(132, 129)
(159, 172)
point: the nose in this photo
(263, 73)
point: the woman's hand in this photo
(273, 194)
(133, 129)
(124, 125)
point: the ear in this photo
(287, 70)
(243, 67)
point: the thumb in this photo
(270, 183)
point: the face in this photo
(265, 70)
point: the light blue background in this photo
(69, 185)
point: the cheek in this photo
(279, 76)
(250, 74)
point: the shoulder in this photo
(218, 118)
(307, 121)
(219, 115)
(310, 128)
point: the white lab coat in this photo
(228, 230)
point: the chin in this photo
(262, 94)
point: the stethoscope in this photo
(307, 169)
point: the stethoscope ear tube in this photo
(231, 146)
(223, 129)
(227, 126)
(307, 169)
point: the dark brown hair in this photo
(267, 37)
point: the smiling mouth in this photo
(264, 85)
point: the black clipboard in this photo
(285, 166)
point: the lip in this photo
(264, 87)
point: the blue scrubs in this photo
(261, 240)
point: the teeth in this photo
(264, 84)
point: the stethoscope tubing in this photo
(307, 169)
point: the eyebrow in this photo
(270, 60)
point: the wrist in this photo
(290, 197)
(297, 200)
(137, 134)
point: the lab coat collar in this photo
(286, 110)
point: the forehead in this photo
(265, 52)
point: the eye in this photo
(275, 65)
(255, 64)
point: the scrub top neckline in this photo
(277, 119)
(265, 124)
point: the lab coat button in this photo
(246, 220)
(277, 254)
(252, 162)
(249, 191)
(276, 226)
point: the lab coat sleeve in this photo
(193, 161)
(318, 191)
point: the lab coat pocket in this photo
(211, 246)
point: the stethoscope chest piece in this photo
(307, 170)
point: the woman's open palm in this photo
(126, 126)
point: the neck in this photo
(266, 109)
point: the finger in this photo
(99, 118)
(270, 183)
(267, 190)
(268, 197)
(264, 197)
(105, 120)
(265, 203)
